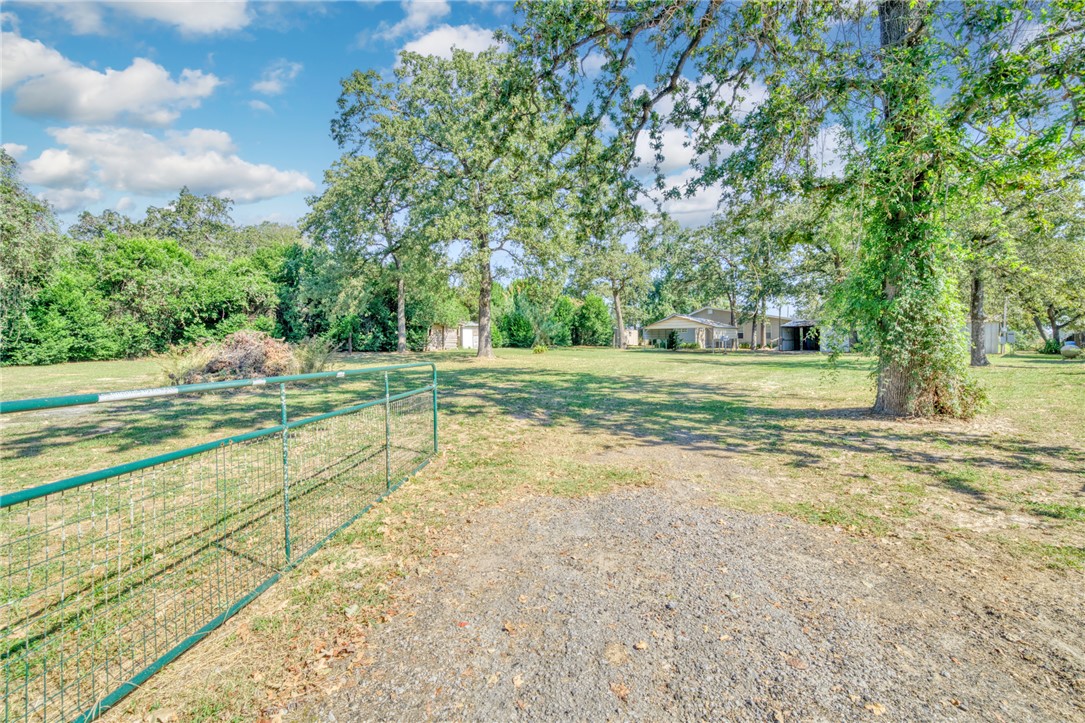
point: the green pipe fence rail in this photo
(108, 576)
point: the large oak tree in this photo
(926, 100)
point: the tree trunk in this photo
(401, 316)
(1039, 327)
(905, 235)
(619, 334)
(896, 390)
(979, 332)
(486, 280)
(764, 323)
(1053, 318)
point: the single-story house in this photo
(705, 333)
(459, 336)
(747, 334)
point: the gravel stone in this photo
(538, 611)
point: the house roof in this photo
(716, 308)
(797, 323)
(695, 320)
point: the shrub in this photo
(1050, 347)
(561, 318)
(516, 329)
(312, 354)
(179, 363)
(591, 323)
(689, 345)
(538, 349)
(240, 355)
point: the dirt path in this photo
(654, 603)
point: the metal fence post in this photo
(435, 409)
(286, 472)
(387, 436)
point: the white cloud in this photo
(697, 210)
(194, 17)
(126, 203)
(22, 59)
(83, 18)
(206, 161)
(441, 40)
(15, 150)
(50, 85)
(828, 151)
(71, 199)
(190, 17)
(677, 155)
(260, 106)
(419, 15)
(276, 77)
(593, 64)
(57, 168)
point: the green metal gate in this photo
(108, 576)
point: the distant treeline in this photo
(111, 287)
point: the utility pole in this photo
(1005, 327)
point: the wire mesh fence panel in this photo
(336, 469)
(411, 421)
(107, 577)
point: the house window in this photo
(740, 335)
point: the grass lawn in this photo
(761, 432)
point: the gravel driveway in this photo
(653, 603)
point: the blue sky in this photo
(119, 104)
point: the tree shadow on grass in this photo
(714, 417)
(711, 417)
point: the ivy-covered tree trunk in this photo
(906, 295)
(401, 316)
(619, 332)
(485, 294)
(978, 319)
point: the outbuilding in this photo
(800, 335)
(459, 336)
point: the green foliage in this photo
(200, 224)
(1050, 346)
(591, 323)
(927, 102)
(561, 321)
(312, 354)
(30, 248)
(516, 329)
(539, 349)
(478, 131)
